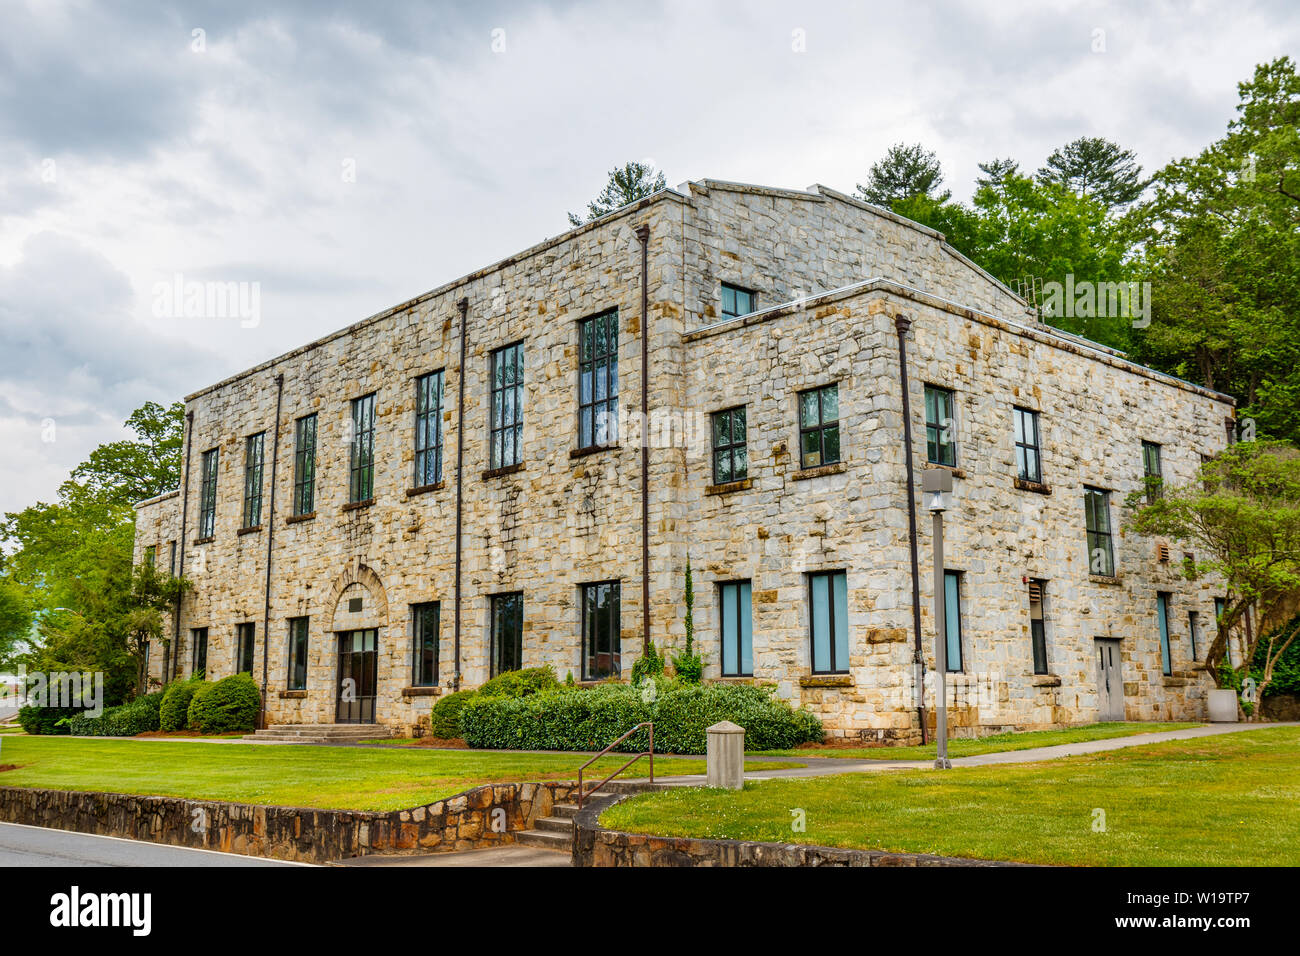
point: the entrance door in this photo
(358, 661)
(1110, 682)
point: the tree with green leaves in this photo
(630, 183)
(1095, 168)
(15, 621)
(1241, 518)
(904, 173)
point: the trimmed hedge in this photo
(444, 721)
(227, 706)
(138, 717)
(530, 680)
(175, 711)
(567, 719)
(45, 721)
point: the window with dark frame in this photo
(737, 301)
(819, 426)
(1038, 623)
(952, 619)
(253, 446)
(208, 493)
(428, 429)
(304, 465)
(601, 631)
(171, 557)
(424, 633)
(735, 622)
(1029, 465)
(940, 427)
(507, 410)
(1220, 606)
(828, 620)
(507, 633)
(151, 555)
(1193, 626)
(598, 380)
(1162, 622)
(1152, 475)
(361, 464)
(1096, 516)
(298, 653)
(198, 650)
(730, 457)
(246, 641)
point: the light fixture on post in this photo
(936, 486)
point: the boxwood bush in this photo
(138, 717)
(46, 721)
(175, 710)
(573, 719)
(530, 680)
(227, 706)
(445, 720)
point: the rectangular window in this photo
(507, 648)
(428, 429)
(199, 650)
(171, 557)
(424, 632)
(1028, 457)
(244, 644)
(1162, 620)
(1152, 476)
(304, 465)
(1096, 515)
(940, 427)
(253, 480)
(819, 426)
(151, 555)
(952, 618)
(1038, 624)
(361, 467)
(1193, 625)
(598, 380)
(737, 301)
(601, 638)
(297, 653)
(208, 493)
(507, 421)
(730, 458)
(828, 604)
(736, 619)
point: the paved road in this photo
(37, 846)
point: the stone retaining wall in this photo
(463, 822)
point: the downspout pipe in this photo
(643, 236)
(180, 544)
(902, 323)
(462, 305)
(270, 542)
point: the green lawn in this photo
(343, 778)
(997, 743)
(1214, 801)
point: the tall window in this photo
(1193, 625)
(304, 465)
(507, 632)
(1220, 606)
(361, 468)
(819, 426)
(199, 650)
(1162, 621)
(297, 653)
(1038, 624)
(737, 301)
(952, 618)
(598, 380)
(507, 423)
(428, 429)
(940, 427)
(171, 557)
(208, 493)
(1152, 475)
(244, 644)
(1028, 458)
(424, 632)
(253, 480)
(737, 629)
(151, 555)
(1096, 515)
(828, 606)
(601, 640)
(730, 458)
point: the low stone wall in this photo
(485, 816)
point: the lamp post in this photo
(936, 485)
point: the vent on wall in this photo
(1035, 592)
(1162, 552)
(354, 604)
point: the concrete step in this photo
(555, 824)
(546, 839)
(566, 810)
(321, 733)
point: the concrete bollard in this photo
(725, 756)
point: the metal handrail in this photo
(635, 757)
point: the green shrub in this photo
(689, 667)
(649, 664)
(521, 683)
(175, 710)
(445, 719)
(227, 706)
(571, 719)
(46, 721)
(138, 717)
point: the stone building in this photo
(459, 484)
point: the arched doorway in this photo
(359, 615)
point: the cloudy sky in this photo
(345, 157)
